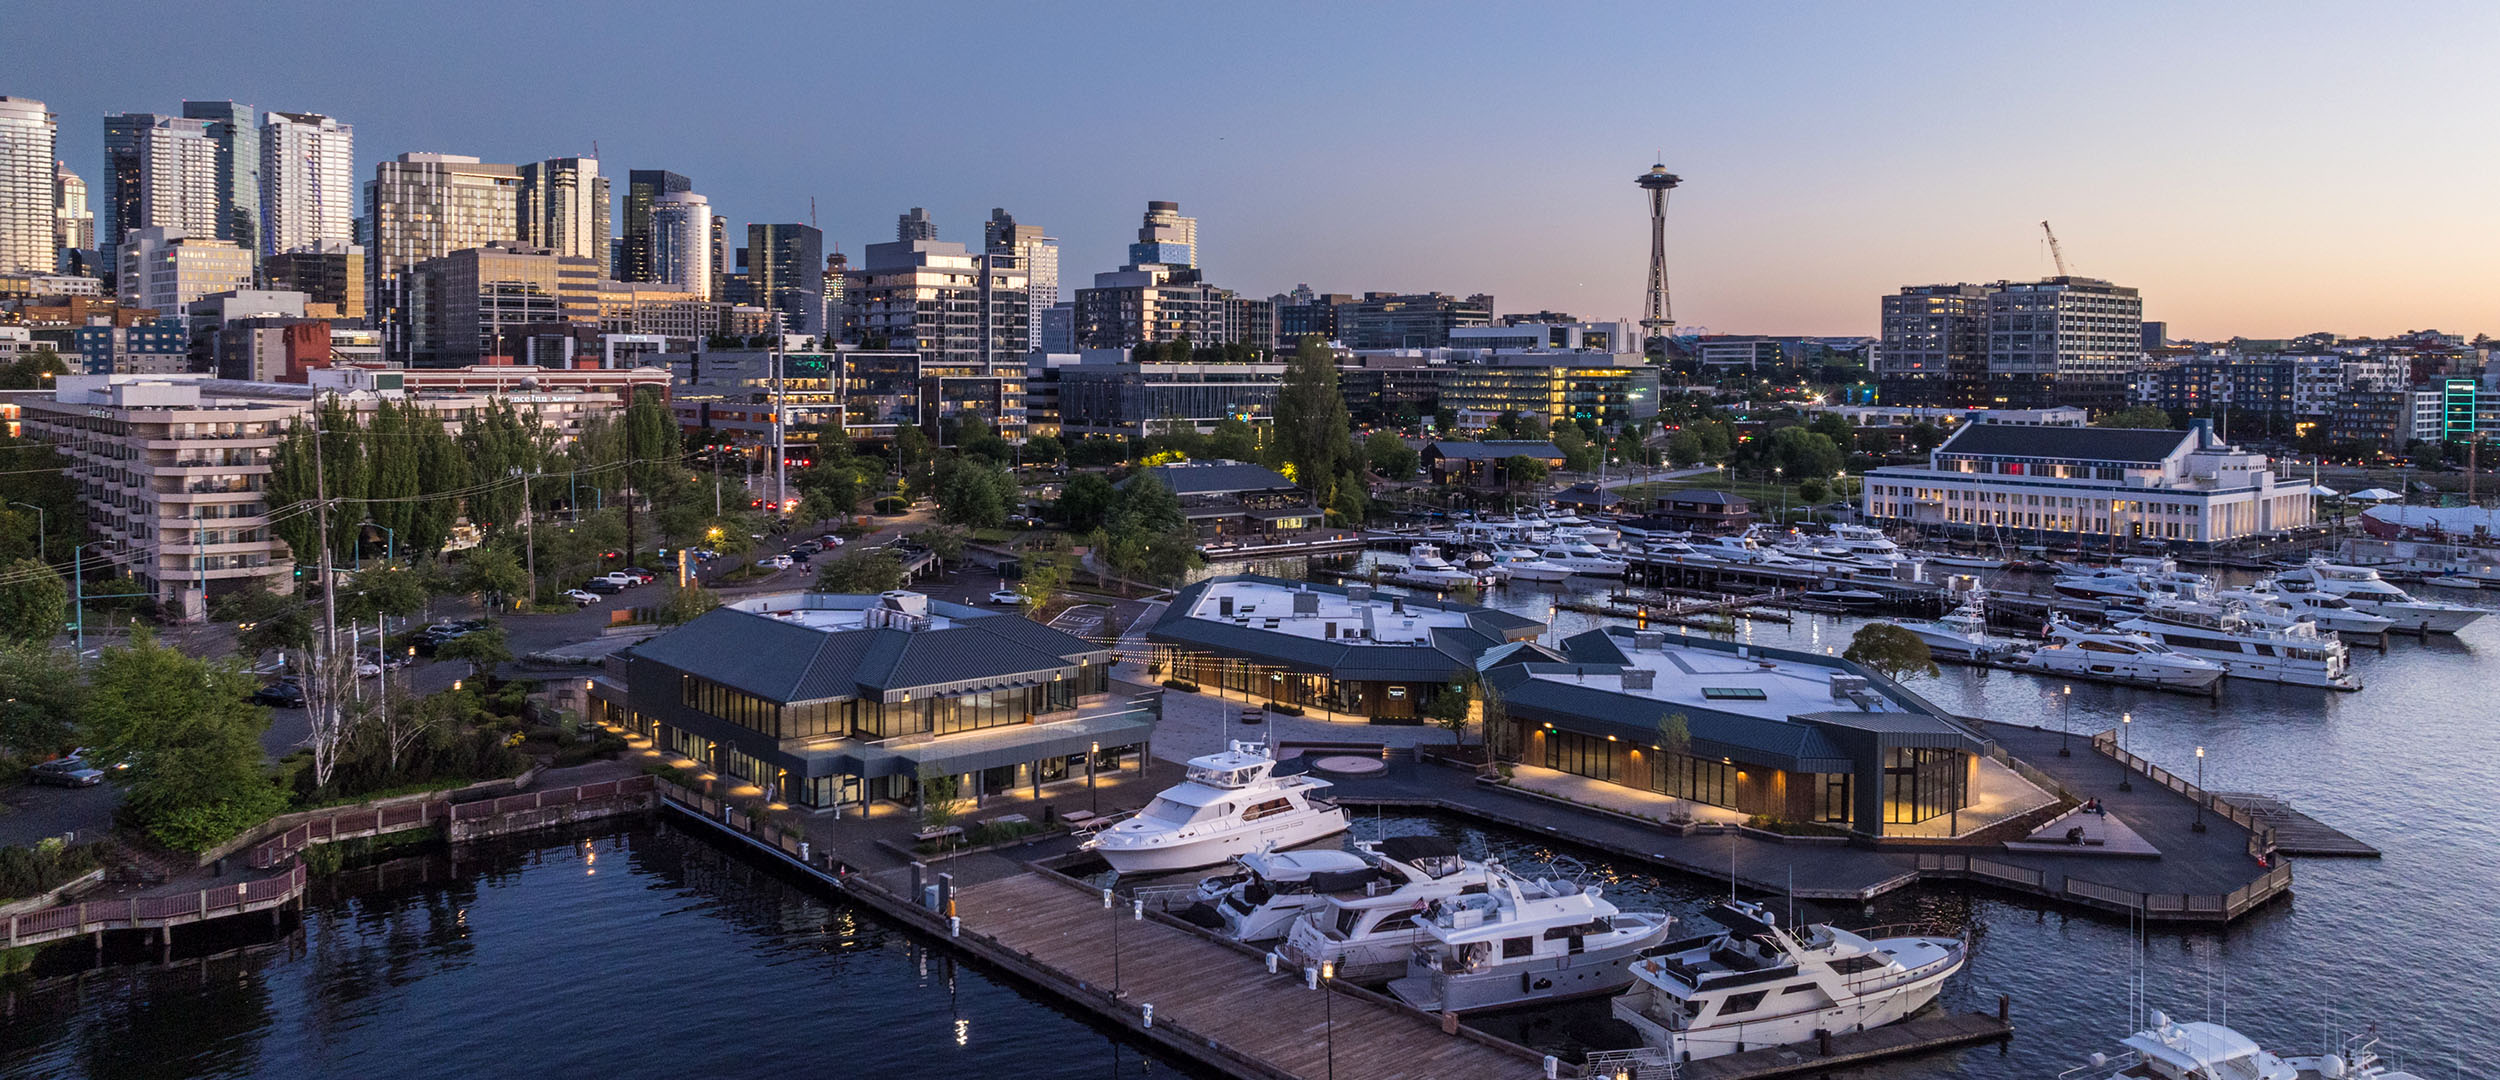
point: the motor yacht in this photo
(1370, 935)
(2299, 654)
(1524, 940)
(1583, 559)
(2200, 1050)
(1745, 549)
(2119, 654)
(1425, 567)
(1268, 889)
(1525, 564)
(1867, 542)
(1759, 985)
(2135, 580)
(1960, 562)
(2365, 590)
(1229, 803)
(1963, 634)
(2329, 612)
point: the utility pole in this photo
(321, 523)
(781, 436)
(529, 535)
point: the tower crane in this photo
(2055, 253)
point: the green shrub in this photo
(198, 828)
(1283, 709)
(1183, 685)
(27, 871)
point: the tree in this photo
(265, 620)
(493, 573)
(867, 571)
(1087, 502)
(193, 737)
(1925, 436)
(1390, 456)
(1578, 454)
(1813, 489)
(683, 605)
(1233, 439)
(974, 492)
(911, 452)
(33, 601)
(1046, 573)
(1313, 432)
(1800, 453)
(1675, 733)
(1044, 450)
(2141, 416)
(1687, 448)
(1519, 469)
(43, 691)
(1444, 421)
(1891, 651)
(33, 371)
(1493, 720)
(947, 542)
(940, 794)
(651, 457)
(381, 590)
(1145, 506)
(1350, 506)
(1452, 707)
(483, 650)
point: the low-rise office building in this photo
(2089, 486)
(1106, 394)
(1341, 648)
(1773, 732)
(824, 700)
(1232, 500)
(1703, 511)
(1484, 464)
(1557, 388)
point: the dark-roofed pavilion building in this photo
(2090, 486)
(1342, 648)
(1482, 464)
(1774, 732)
(1232, 499)
(821, 699)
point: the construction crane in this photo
(811, 213)
(2054, 253)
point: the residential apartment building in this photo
(1303, 313)
(161, 346)
(643, 189)
(914, 224)
(563, 207)
(1036, 253)
(1165, 238)
(676, 243)
(73, 224)
(425, 206)
(164, 269)
(28, 136)
(269, 348)
(307, 184)
(235, 130)
(1140, 303)
(1935, 346)
(465, 304)
(1409, 321)
(2388, 419)
(2260, 390)
(2063, 341)
(2094, 486)
(953, 307)
(160, 172)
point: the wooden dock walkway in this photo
(2296, 833)
(1910, 1036)
(1219, 993)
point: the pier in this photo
(2296, 833)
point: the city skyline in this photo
(2311, 177)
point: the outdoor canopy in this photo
(2374, 495)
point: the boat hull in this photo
(1215, 850)
(1870, 1010)
(1597, 971)
(2417, 619)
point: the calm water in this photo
(641, 953)
(650, 953)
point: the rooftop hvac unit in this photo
(1306, 603)
(1639, 678)
(1847, 686)
(1649, 639)
(1358, 593)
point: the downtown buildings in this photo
(28, 178)
(307, 184)
(2022, 345)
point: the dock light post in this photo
(2126, 778)
(2065, 719)
(1320, 977)
(2201, 795)
(1093, 758)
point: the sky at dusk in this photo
(2261, 170)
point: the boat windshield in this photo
(1165, 810)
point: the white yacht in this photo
(1583, 559)
(1867, 542)
(1963, 634)
(2329, 612)
(1960, 562)
(1230, 803)
(1760, 985)
(1370, 935)
(2362, 588)
(1524, 940)
(2300, 654)
(2122, 655)
(1525, 564)
(1425, 567)
(1745, 548)
(2134, 581)
(1271, 888)
(2199, 1050)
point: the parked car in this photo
(581, 597)
(367, 669)
(777, 562)
(830, 540)
(284, 694)
(88, 755)
(619, 578)
(65, 772)
(386, 660)
(602, 585)
(1007, 597)
(642, 576)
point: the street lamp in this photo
(2201, 795)
(2126, 777)
(1093, 757)
(390, 539)
(39, 527)
(1320, 977)
(2065, 719)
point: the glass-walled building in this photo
(1781, 734)
(1341, 648)
(821, 700)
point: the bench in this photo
(943, 832)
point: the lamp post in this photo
(39, 527)
(2126, 778)
(1093, 758)
(2065, 719)
(1320, 977)
(2201, 795)
(390, 540)
(78, 592)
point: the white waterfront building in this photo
(2093, 485)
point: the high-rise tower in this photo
(1659, 316)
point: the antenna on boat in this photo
(1792, 897)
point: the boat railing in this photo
(1643, 1063)
(1166, 898)
(2102, 1066)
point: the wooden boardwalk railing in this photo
(155, 912)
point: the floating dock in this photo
(1908, 1037)
(2296, 833)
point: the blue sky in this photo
(2255, 169)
